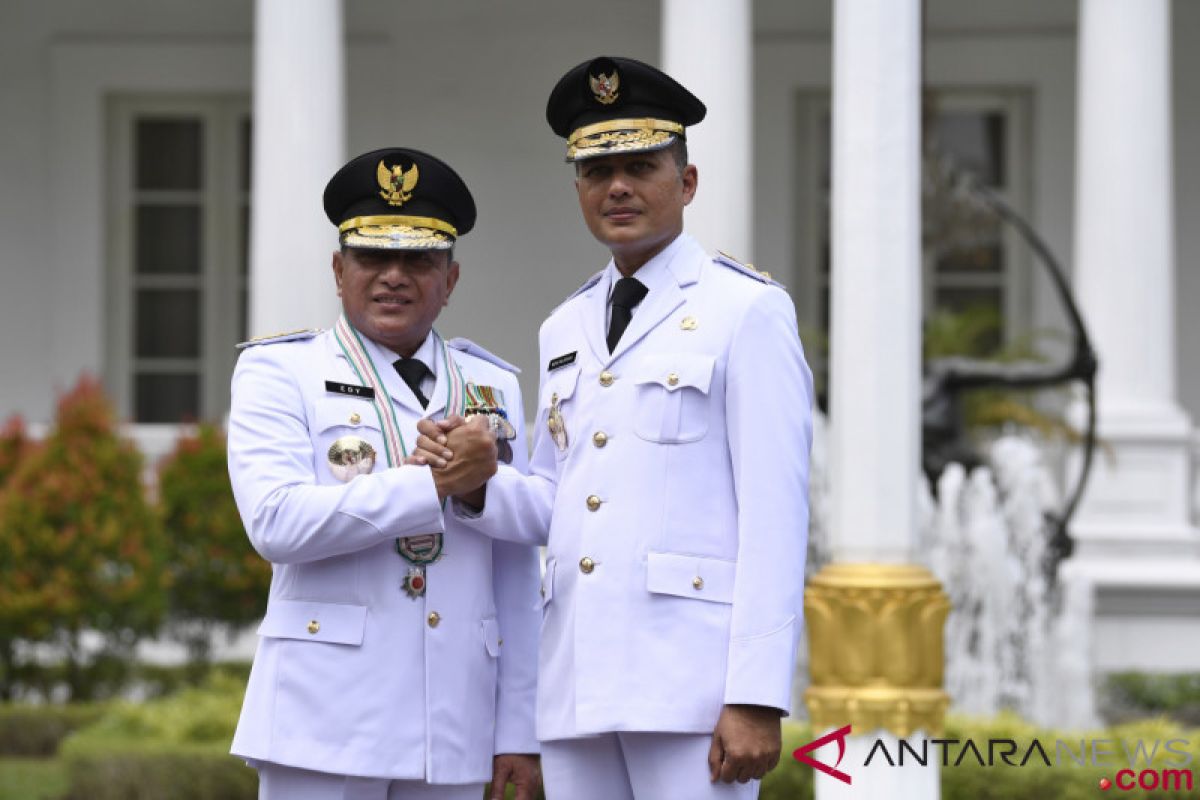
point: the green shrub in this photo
(32, 779)
(121, 770)
(1131, 695)
(176, 747)
(80, 549)
(27, 730)
(216, 576)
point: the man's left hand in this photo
(523, 771)
(745, 743)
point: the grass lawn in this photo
(32, 779)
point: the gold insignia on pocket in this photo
(689, 324)
(556, 425)
(397, 185)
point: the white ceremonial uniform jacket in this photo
(677, 512)
(350, 676)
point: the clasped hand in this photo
(462, 454)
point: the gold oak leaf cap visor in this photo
(398, 198)
(613, 105)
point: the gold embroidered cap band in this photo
(364, 200)
(385, 230)
(614, 105)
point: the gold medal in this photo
(350, 457)
(556, 425)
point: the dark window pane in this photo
(975, 140)
(243, 314)
(960, 299)
(168, 323)
(983, 258)
(247, 151)
(168, 153)
(167, 398)
(244, 239)
(168, 240)
(825, 150)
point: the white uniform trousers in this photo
(635, 766)
(277, 782)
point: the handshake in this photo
(462, 453)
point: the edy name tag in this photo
(562, 361)
(350, 389)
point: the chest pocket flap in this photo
(318, 622)
(344, 412)
(672, 402)
(561, 382)
(675, 371)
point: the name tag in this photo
(563, 360)
(350, 389)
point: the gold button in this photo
(314, 626)
(672, 379)
(606, 378)
(688, 324)
(434, 619)
(599, 438)
(593, 502)
(355, 418)
(586, 565)
(697, 583)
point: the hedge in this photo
(177, 748)
(35, 731)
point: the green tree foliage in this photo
(976, 333)
(216, 575)
(14, 446)
(80, 548)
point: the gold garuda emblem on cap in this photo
(397, 185)
(605, 87)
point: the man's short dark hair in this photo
(679, 152)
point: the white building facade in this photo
(161, 166)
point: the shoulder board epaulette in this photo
(589, 283)
(273, 338)
(467, 346)
(746, 269)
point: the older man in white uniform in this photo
(397, 656)
(670, 473)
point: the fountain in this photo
(1013, 641)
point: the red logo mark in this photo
(1105, 784)
(840, 735)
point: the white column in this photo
(876, 322)
(876, 308)
(299, 142)
(1138, 499)
(707, 46)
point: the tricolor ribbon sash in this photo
(393, 441)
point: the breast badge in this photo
(556, 424)
(350, 457)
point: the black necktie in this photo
(627, 294)
(413, 371)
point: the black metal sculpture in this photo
(945, 380)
